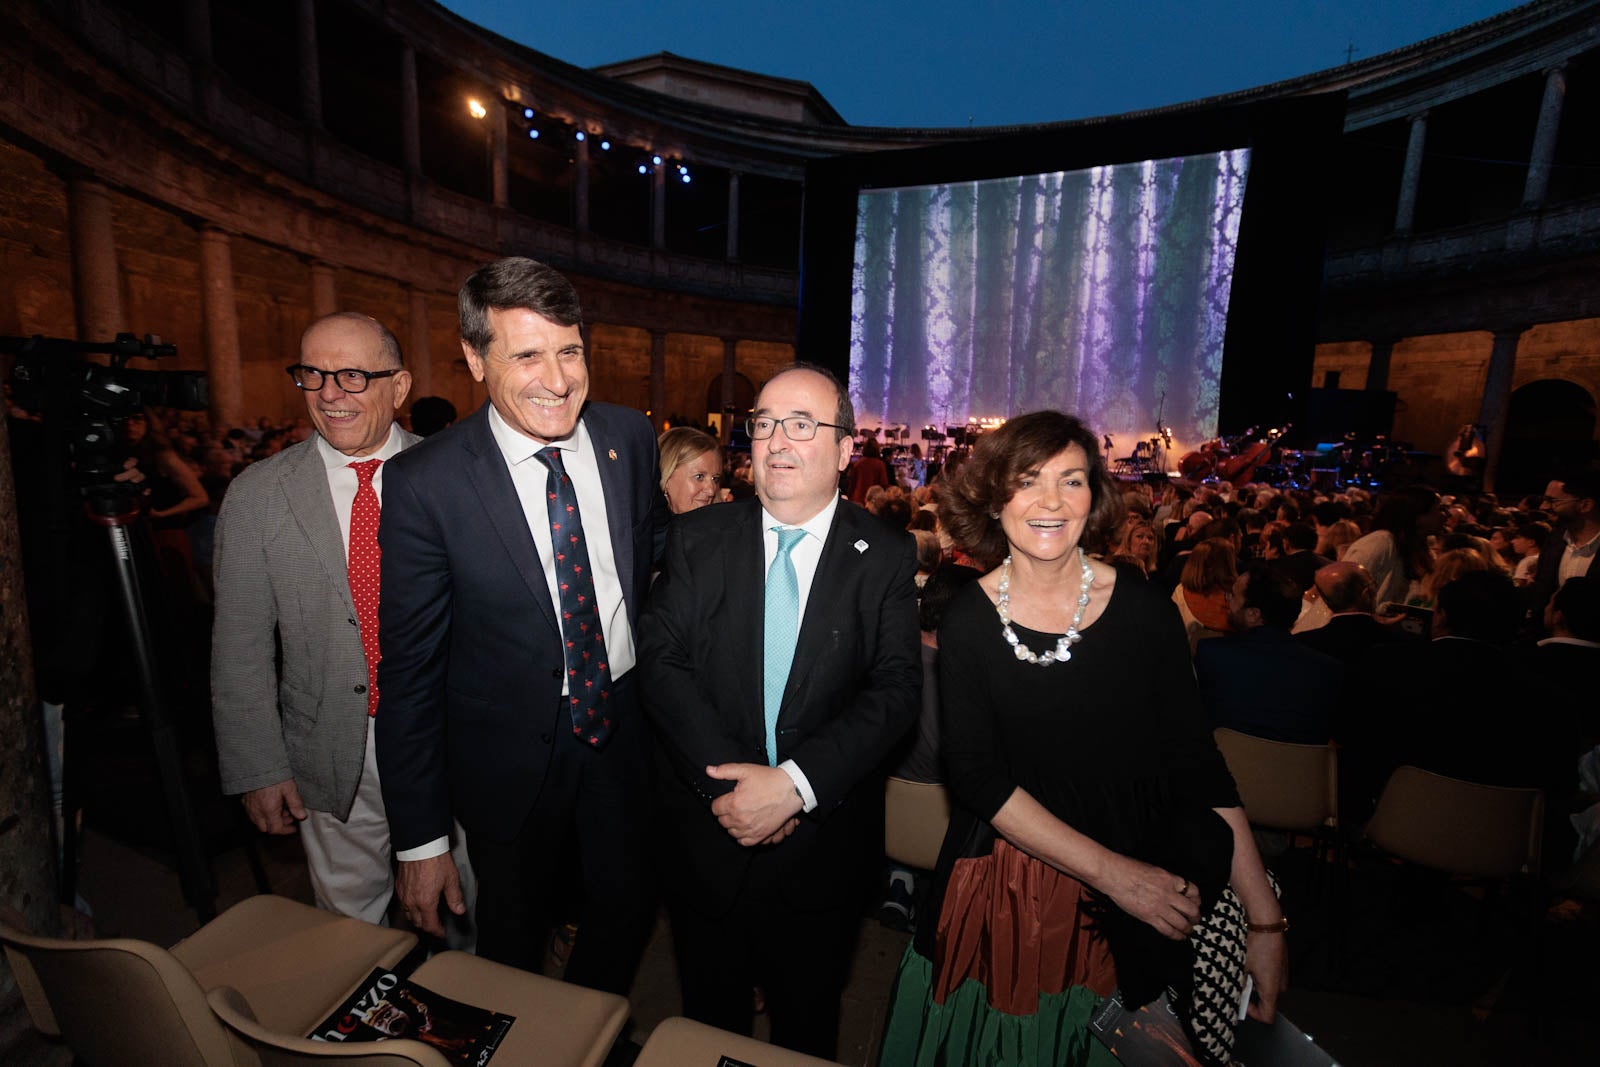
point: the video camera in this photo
(51, 377)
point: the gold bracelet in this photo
(1279, 927)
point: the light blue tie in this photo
(782, 624)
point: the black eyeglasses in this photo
(795, 427)
(350, 379)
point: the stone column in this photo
(1544, 139)
(310, 65)
(324, 295)
(220, 321)
(410, 113)
(27, 855)
(730, 363)
(580, 187)
(1405, 213)
(1378, 365)
(658, 377)
(1497, 399)
(419, 349)
(96, 282)
(498, 175)
(733, 216)
(658, 206)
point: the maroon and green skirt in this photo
(1014, 971)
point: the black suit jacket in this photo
(853, 691)
(472, 652)
(1346, 637)
(1466, 709)
(1265, 683)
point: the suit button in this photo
(361, 689)
(555, 672)
(544, 739)
(353, 621)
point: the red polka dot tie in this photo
(588, 675)
(364, 559)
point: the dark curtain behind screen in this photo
(1092, 291)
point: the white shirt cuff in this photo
(807, 797)
(437, 847)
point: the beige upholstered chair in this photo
(1461, 828)
(680, 1042)
(1283, 786)
(915, 817)
(123, 1001)
(557, 1025)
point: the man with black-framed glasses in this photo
(1572, 505)
(297, 558)
(781, 662)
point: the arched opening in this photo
(1550, 428)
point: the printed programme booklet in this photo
(386, 1006)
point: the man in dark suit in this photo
(1348, 592)
(781, 665)
(1259, 680)
(1573, 507)
(517, 547)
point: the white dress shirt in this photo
(805, 555)
(529, 476)
(1576, 559)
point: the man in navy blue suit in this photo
(517, 548)
(1259, 680)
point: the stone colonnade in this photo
(1494, 408)
(666, 372)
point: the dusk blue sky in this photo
(990, 62)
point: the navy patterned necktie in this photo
(588, 676)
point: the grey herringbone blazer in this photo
(280, 570)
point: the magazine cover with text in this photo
(385, 1006)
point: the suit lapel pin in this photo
(860, 546)
(612, 453)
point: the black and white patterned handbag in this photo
(1212, 1010)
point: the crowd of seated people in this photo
(1419, 621)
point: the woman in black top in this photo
(1094, 818)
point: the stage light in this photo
(643, 169)
(686, 179)
(527, 112)
(476, 109)
(605, 146)
(533, 135)
(656, 160)
(581, 136)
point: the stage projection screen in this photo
(1100, 292)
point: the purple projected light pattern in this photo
(1091, 291)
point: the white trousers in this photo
(350, 861)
